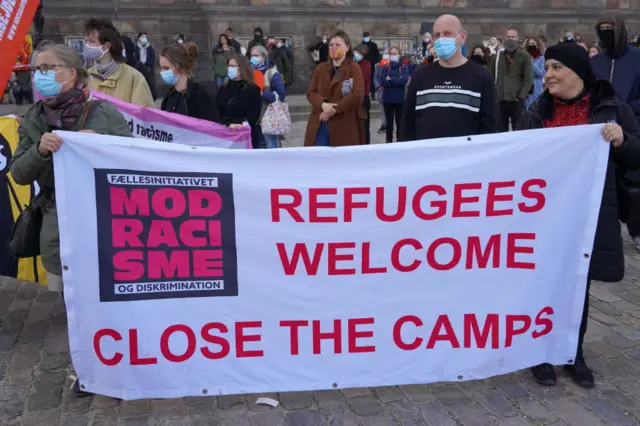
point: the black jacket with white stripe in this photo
(446, 102)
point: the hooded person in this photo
(258, 40)
(619, 63)
(573, 97)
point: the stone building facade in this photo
(303, 21)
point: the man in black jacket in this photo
(279, 57)
(373, 57)
(320, 51)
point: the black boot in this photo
(580, 373)
(544, 374)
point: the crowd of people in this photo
(507, 85)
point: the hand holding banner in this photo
(199, 271)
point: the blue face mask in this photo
(357, 56)
(255, 61)
(169, 77)
(367, 39)
(445, 47)
(46, 84)
(232, 72)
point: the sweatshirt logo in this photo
(448, 86)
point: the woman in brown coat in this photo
(335, 93)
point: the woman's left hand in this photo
(324, 117)
(612, 132)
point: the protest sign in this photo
(205, 272)
(13, 198)
(16, 17)
(154, 124)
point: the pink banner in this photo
(154, 124)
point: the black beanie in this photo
(574, 57)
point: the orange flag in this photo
(15, 20)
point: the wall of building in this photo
(302, 21)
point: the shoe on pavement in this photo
(544, 374)
(580, 373)
(382, 129)
(636, 244)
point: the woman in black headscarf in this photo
(575, 97)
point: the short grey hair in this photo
(67, 56)
(260, 50)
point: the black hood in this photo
(620, 33)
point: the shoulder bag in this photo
(24, 239)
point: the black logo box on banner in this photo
(165, 235)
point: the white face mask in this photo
(278, 45)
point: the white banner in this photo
(192, 271)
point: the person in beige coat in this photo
(109, 73)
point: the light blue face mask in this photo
(256, 60)
(357, 56)
(366, 39)
(46, 84)
(169, 77)
(232, 72)
(445, 47)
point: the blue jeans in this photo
(271, 141)
(322, 137)
(220, 81)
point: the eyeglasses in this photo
(44, 68)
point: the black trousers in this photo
(513, 110)
(391, 111)
(633, 221)
(585, 319)
(367, 123)
(373, 86)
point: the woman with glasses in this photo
(61, 81)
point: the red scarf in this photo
(573, 114)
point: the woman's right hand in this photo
(328, 108)
(49, 143)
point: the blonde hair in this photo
(67, 57)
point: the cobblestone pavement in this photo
(34, 381)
